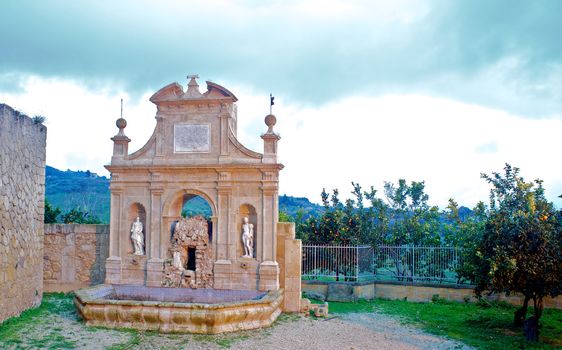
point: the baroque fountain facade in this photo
(237, 269)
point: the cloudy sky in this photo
(366, 91)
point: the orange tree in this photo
(465, 232)
(520, 249)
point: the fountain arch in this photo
(194, 151)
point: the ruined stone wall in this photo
(74, 256)
(22, 189)
(289, 257)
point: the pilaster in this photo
(155, 263)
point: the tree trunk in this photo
(539, 307)
(531, 325)
(521, 313)
(531, 328)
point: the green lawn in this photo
(485, 326)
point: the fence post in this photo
(357, 263)
(413, 266)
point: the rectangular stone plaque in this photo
(192, 138)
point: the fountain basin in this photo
(182, 310)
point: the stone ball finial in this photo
(121, 124)
(270, 121)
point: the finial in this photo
(192, 86)
(270, 121)
(121, 123)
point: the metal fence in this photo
(384, 263)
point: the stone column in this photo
(155, 263)
(269, 269)
(113, 263)
(224, 117)
(223, 264)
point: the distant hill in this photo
(71, 189)
(291, 205)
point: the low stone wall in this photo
(349, 291)
(22, 188)
(74, 256)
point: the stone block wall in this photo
(289, 258)
(22, 189)
(410, 292)
(74, 256)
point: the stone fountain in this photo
(237, 269)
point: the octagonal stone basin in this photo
(181, 310)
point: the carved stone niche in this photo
(189, 263)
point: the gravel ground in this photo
(348, 331)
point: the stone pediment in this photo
(194, 129)
(174, 93)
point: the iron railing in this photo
(416, 264)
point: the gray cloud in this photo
(503, 54)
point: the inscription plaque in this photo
(192, 138)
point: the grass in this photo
(484, 326)
(12, 330)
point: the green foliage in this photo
(196, 206)
(39, 119)
(411, 219)
(78, 216)
(284, 217)
(367, 219)
(292, 205)
(51, 213)
(344, 223)
(78, 189)
(520, 249)
(466, 234)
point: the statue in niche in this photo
(248, 238)
(137, 237)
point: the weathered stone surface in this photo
(22, 188)
(74, 256)
(159, 311)
(289, 253)
(194, 151)
(340, 292)
(190, 233)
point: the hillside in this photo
(291, 205)
(71, 189)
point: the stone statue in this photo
(137, 237)
(177, 261)
(248, 238)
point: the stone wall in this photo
(74, 256)
(289, 258)
(348, 291)
(22, 189)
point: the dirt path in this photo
(62, 329)
(350, 331)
